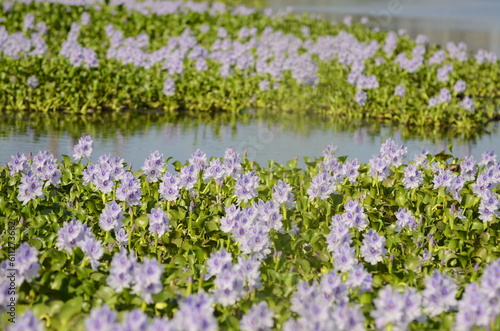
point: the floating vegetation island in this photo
(84, 56)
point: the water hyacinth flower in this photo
(30, 188)
(169, 87)
(134, 320)
(405, 219)
(467, 103)
(158, 222)
(217, 262)
(153, 167)
(246, 186)
(83, 148)
(121, 274)
(19, 163)
(71, 235)
(360, 278)
(260, 317)
(282, 194)
(26, 268)
(216, 171)
(344, 258)
(439, 294)
(129, 190)
(27, 321)
(389, 306)
(101, 318)
(229, 286)
(147, 279)
(373, 247)
(400, 91)
(169, 187)
(93, 250)
(459, 86)
(32, 82)
(360, 98)
(195, 312)
(111, 217)
(413, 177)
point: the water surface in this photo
(262, 135)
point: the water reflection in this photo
(263, 134)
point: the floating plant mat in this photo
(400, 242)
(211, 57)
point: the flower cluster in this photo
(104, 173)
(250, 226)
(158, 222)
(439, 294)
(26, 265)
(399, 309)
(373, 247)
(75, 234)
(246, 186)
(37, 172)
(282, 194)
(111, 217)
(153, 167)
(144, 278)
(324, 306)
(232, 281)
(129, 190)
(83, 148)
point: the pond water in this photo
(264, 136)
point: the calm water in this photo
(263, 136)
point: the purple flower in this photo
(129, 190)
(195, 313)
(442, 73)
(246, 186)
(217, 262)
(400, 91)
(344, 259)
(83, 148)
(32, 82)
(405, 219)
(134, 320)
(349, 318)
(373, 247)
(93, 250)
(71, 235)
(282, 194)
(169, 187)
(121, 274)
(413, 177)
(101, 319)
(153, 167)
(27, 321)
(389, 307)
(18, 163)
(439, 294)
(158, 222)
(30, 188)
(111, 217)
(147, 279)
(459, 86)
(360, 98)
(169, 87)
(260, 317)
(467, 103)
